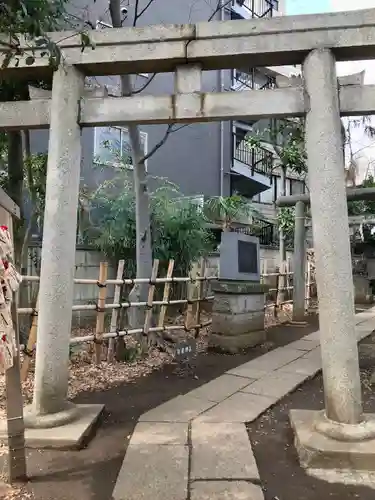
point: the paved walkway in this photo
(196, 446)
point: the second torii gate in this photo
(300, 202)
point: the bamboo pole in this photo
(277, 295)
(31, 341)
(127, 281)
(103, 272)
(308, 285)
(150, 298)
(167, 289)
(114, 317)
(191, 289)
(122, 305)
(288, 277)
(202, 272)
(135, 331)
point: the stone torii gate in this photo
(300, 201)
(316, 42)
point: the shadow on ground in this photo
(90, 474)
(281, 475)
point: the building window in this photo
(112, 146)
(297, 187)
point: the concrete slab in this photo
(363, 331)
(220, 388)
(313, 336)
(275, 359)
(222, 490)
(304, 366)
(314, 355)
(179, 409)
(365, 315)
(317, 451)
(160, 433)
(153, 472)
(65, 437)
(222, 451)
(246, 370)
(276, 385)
(240, 407)
(304, 344)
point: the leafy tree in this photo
(363, 207)
(228, 210)
(178, 227)
(32, 19)
(286, 141)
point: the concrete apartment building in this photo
(202, 159)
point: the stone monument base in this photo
(73, 435)
(317, 450)
(237, 315)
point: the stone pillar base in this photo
(318, 450)
(237, 315)
(33, 420)
(73, 434)
(362, 290)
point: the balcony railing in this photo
(258, 8)
(257, 159)
(251, 81)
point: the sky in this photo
(295, 7)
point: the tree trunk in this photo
(143, 224)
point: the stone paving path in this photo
(196, 446)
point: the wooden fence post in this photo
(191, 292)
(200, 285)
(167, 290)
(150, 299)
(29, 349)
(100, 319)
(115, 312)
(308, 284)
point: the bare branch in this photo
(141, 89)
(137, 14)
(159, 144)
(170, 130)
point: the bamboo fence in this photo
(286, 271)
(192, 320)
(195, 296)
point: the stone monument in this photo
(238, 308)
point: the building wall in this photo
(191, 156)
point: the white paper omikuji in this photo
(10, 281)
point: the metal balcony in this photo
(254, 8)
(258, 160)
(252, 80)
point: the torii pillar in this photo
(50, 408)
(341, 433)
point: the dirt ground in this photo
(90, 474)
(272, 431)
